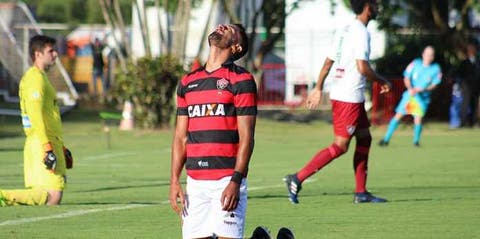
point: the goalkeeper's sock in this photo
(320, 160)
(417, 131)
(25, 197)
(392, 126)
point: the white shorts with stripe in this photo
(204, 216)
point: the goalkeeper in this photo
(45, 157)
(420, 77)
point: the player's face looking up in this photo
(224, 36)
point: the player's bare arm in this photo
(246, 129)
(365, 69)
(178, 161)
(315, 97)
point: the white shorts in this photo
(204, 216)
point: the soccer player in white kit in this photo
(349, 58)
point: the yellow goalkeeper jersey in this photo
(38, 104)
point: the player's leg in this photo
(28, 197)
(400, 111)
(228, 224)
(195, 216)
(360, 159)
(54, 182)
(104, 83)
(31, 148)
(465, 109)
(321, 159)
(324, 157)
(417, 130)
(360, 166)
(344, 117)
(94, 79)
(51, 182)
(54, 197)
(392, 126)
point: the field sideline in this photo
(122, 192)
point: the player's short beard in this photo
(216, 38)
(48, 66)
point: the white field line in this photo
(69, 214)
(82, 212)
(121, 154)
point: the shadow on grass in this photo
(11, 149)
(10, 135)
(305, 195)
(123, 187)
(434, 197)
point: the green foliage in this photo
(74, 11)
(94, 13)
(150, 85)
(411, 25)
(54, 11)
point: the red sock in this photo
(320, 160)
(360, 163)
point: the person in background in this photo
(45, 156)
(469, 77)
(349, 57)
(98, 65)
(421, 77)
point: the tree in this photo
(149, 82)
(73, 12)
(267, 14)
(410, 25)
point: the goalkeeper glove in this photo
(68, 158)
(50, 159)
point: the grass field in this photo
(122, 192)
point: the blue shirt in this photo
(422, 76)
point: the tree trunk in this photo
(205, 29)
(121, 26)
(182, 17)
(142, 19)
(109, 23)
(162, 42)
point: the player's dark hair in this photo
(358, 5)
(243, 41)
(38, 43)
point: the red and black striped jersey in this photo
(212, 101)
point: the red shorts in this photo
(348, 117)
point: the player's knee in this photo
(365, 141)
(54, 198)
(337, 150)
